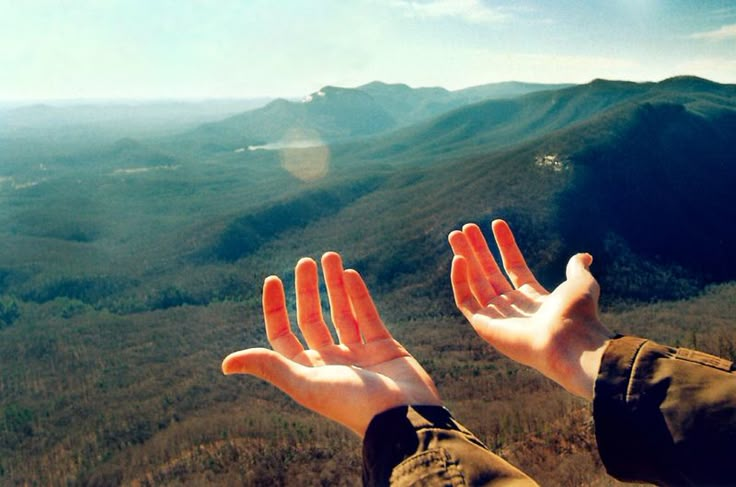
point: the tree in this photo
(9, 311)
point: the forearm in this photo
(665, 415)
(409, 444)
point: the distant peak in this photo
(279, 102)
(381, 84)
(604, 82)
(333, 89)
(373, 84)
(688, 81)
(686, 77)
(600, 83)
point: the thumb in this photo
(267, 365)
(578, 266)
(578, 271)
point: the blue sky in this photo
(252, 48)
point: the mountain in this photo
(108, 120)
(409, 105)
(493, 124)
(633, 152)
(330, 113)
(129, 269)
(657, 187)
(412, 105)
(339, 114)
(638, 174)
(506, 89)
(641, 156)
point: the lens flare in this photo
(304, 154)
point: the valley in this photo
(131, 263)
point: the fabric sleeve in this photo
(424, 445)
(665, 415)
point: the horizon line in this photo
(148, 99)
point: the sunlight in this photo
(304, 155)
(160, 160)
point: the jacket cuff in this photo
(401, 424)
(424, 445)
(616, 430)
(665, 415)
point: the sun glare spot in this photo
(304, 155)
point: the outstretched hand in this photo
(558, 333)
(366, 373)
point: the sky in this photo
(176, 49)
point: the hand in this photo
(367, 373)
(557, 333)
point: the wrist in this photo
(590, 354)
(575, 356)
(590, 364)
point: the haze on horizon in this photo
(133, 49)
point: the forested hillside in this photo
(130, 268)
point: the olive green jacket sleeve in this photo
(665, 415)
(425, 446)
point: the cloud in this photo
(470, 11)
(724, 33)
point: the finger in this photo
(479, 284)
(464, 299)
(578, 270)
(341, 313)
(369, 321)
(513, 260)
(309, 307)
(506, 305)
(487, 321)
(285, 374)
(278, 328)
(485, 259)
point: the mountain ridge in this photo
(327, 114)
(127, 287)
(634, 161)
(493, 124)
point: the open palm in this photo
(350, 381)
(557, 333)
